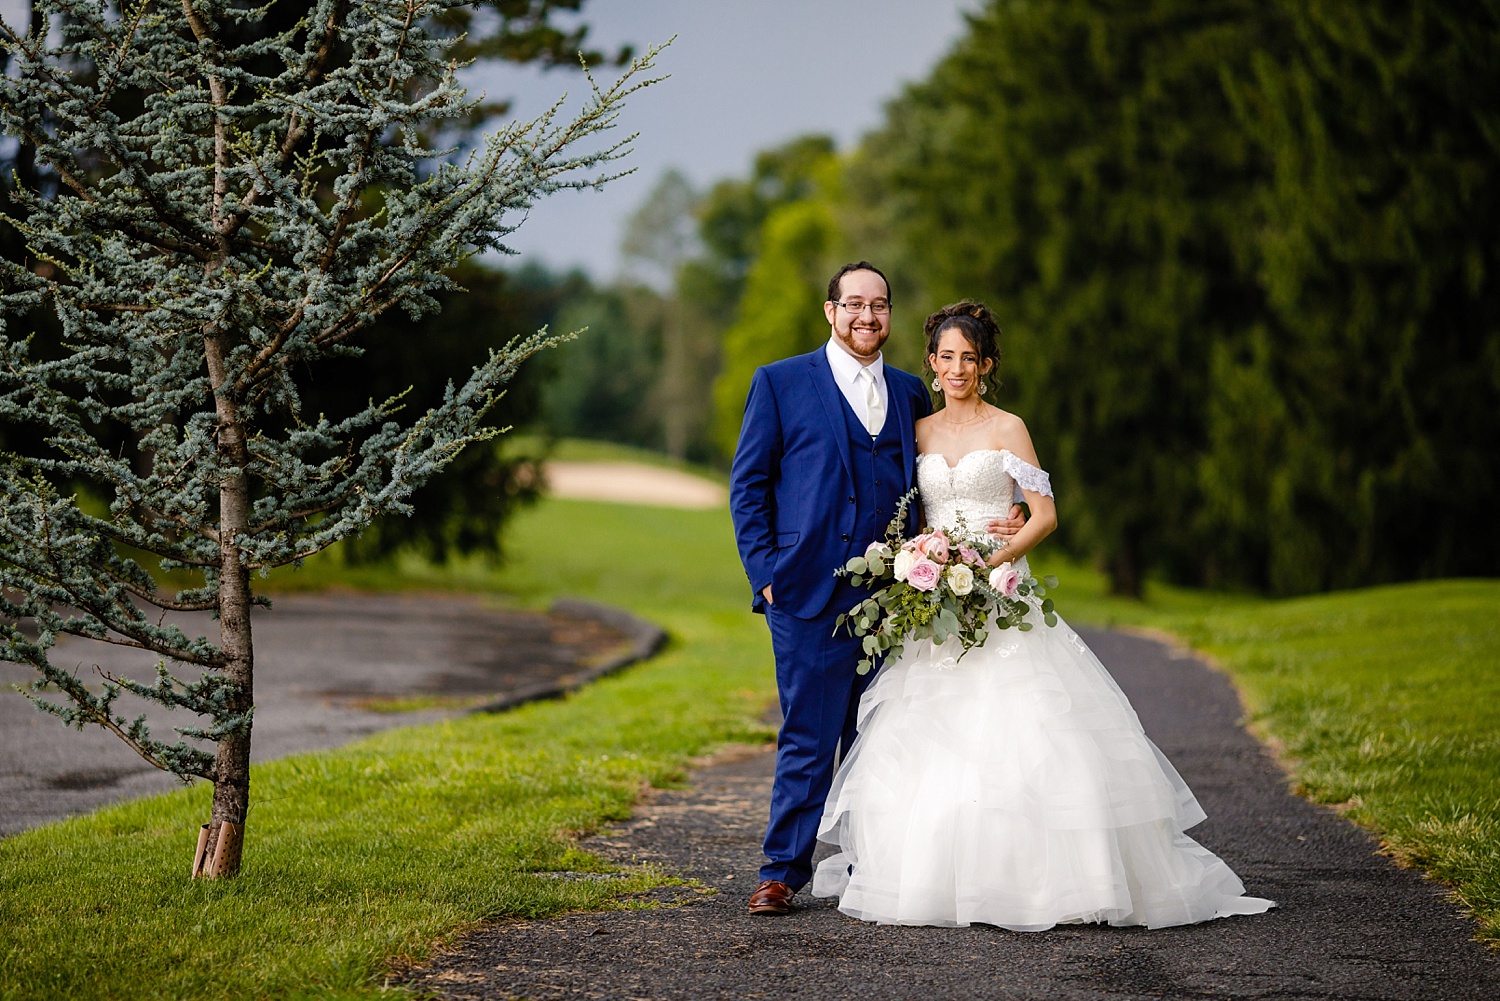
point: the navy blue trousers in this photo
(819, 691)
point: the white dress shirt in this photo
(846, 370)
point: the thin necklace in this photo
(969, 420)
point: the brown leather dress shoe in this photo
(771, 897)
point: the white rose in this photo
(960, 579)
(902, 565)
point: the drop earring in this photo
(984, 387)
(937, 387)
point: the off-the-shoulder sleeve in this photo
(1027, 476)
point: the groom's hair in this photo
(838, 276)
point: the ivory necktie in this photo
(874, 409)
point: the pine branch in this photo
(239, 203)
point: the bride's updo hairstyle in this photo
(972, 319)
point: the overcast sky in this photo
(743, 76)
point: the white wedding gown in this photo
(1014, 787)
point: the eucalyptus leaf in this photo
(1049, 581)
(855, 565)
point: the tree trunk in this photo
(232, 763)
(674, 376)
(1124, 569)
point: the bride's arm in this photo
(1041, 524)
(1016, 440)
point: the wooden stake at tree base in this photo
(227, 855)
(202, 853)
(226, 850)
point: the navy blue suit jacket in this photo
(791, 488)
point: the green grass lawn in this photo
(1386, 703)
(383, 848)
(1381, 700)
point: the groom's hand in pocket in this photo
(766, 591)
(1008, 526)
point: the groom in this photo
(825, 454)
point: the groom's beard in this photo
(865, 343)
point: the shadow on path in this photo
(1350, 925)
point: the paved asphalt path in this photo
(1350, 924)
(321, 659)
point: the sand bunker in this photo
(632, 483)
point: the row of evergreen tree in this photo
(1245, 256)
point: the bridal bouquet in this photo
(937, 585)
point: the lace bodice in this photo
(980, 488)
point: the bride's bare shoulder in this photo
(1011, 435)
(1005, 428)
(925, 426)
(928, 421)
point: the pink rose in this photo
(924, 574)
(971, 556)
(934, 547)
(1005, 579)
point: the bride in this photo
(1013, 787)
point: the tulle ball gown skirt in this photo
(1014, 787)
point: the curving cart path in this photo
(329, 669)
(1350, 925)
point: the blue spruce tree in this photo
(225, 204)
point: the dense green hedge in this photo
(1244, 256)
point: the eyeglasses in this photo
(879, 307)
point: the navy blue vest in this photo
(879, 476)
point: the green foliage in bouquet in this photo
(942, 585)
